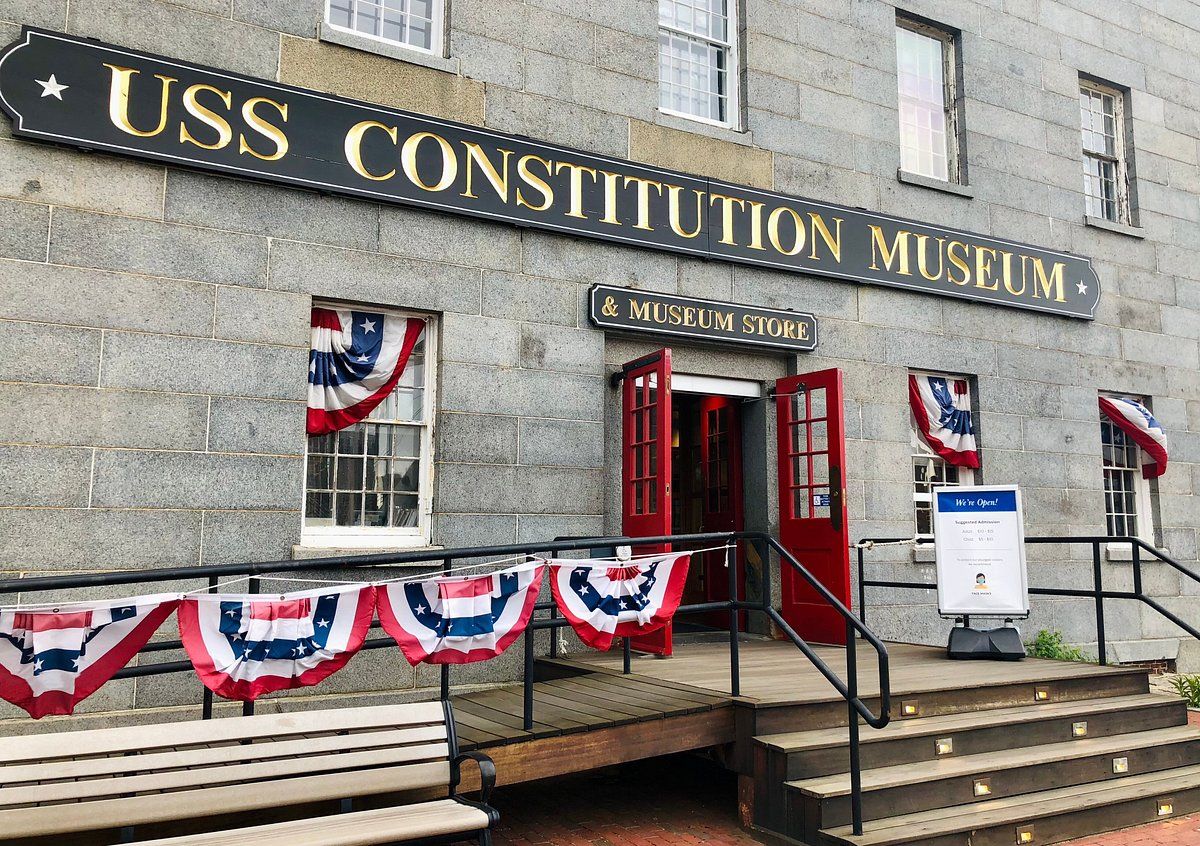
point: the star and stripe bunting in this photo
(941, 409)
(604, 601)
(1136, 421)
(356, 359)
(245, 646)
(52, 659)
(459, 620)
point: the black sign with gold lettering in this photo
(69, 90)
(704, 320)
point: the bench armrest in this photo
(487, 773)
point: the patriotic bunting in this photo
(940, 407)
(604, 601)
(459, 620)
(53, 659)
(1136, 421)
(245, 646)
(356, 359)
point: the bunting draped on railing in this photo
(940, 407)
(245, 645)
(51, 659)
(609, 599)
(1136, 421)
(355, 361)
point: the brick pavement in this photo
(686, 800)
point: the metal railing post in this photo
(527, 691)
(862, 589)
(248, 706)
(855, 762)
(444, 673)
(626, 656)
(1137, 569)
(1098, 586)
(735, 669)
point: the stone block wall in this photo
(153, 321)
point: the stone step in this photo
(824, 802)
(1049, 816)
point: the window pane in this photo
(1122, 471)
(409, 22)
(693, 58)
(924, 113)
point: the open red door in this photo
(721, 472)
(646, 465)
(813, 523)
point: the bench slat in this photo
(361, 828)
(88, 789)
(39, 747)
(225, 754)
(96, 815)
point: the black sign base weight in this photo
(1003, 644)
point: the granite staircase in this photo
(1037, 762)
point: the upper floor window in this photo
(942, 437)
(1105, 171)
(927, 78)
(370, 483)
(697, 59)
(1127, 505)
(410, 23)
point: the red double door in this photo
(811, 467)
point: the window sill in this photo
(935, 184)
(1124, 552)
(317, 548)
(341, 37)
(924, 553)
(1112, 226)
(674, 120)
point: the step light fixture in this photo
(1166, 807)
(1079, 729)
(982, 787)
(910, 708)
(944, 746)
(1025, 835)
(1041, 694)
(1120, 765)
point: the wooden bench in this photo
(302, 774)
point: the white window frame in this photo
(922, 451)
(951, 88)
(1141, 490)
(733, 70)
(373, 537)
(1120, 160)
(437, 32)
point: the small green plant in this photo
(1049, 644)
(1188, 687)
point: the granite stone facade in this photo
(154, 321)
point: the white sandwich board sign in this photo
(979, 543)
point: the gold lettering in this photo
(1055, 280)
(353, 147)
(802, 331)
(610, 198)
(1006, 273)
(756, 225)
(118, 101)
(643, 199)
(575, 183)
(899, 249)
(958, 261)
(638, 310)
(206, 116)
(773, 230)
(674, 313)
(748, 324)
(534, 181)
(724, 321)
(833, 242)
(983, 269)
(689, 316)
(476, 156)
(267, 130)
(727, 204)
(922, 255)
(673, 192)
(408, 161)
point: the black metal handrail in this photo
(1098, 593)
(443, 560)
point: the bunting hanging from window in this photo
(53, 659)
(355, 361)
(942, 410)
(605, 600)
(245, 646)
(459, 620)
(1136, 421)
